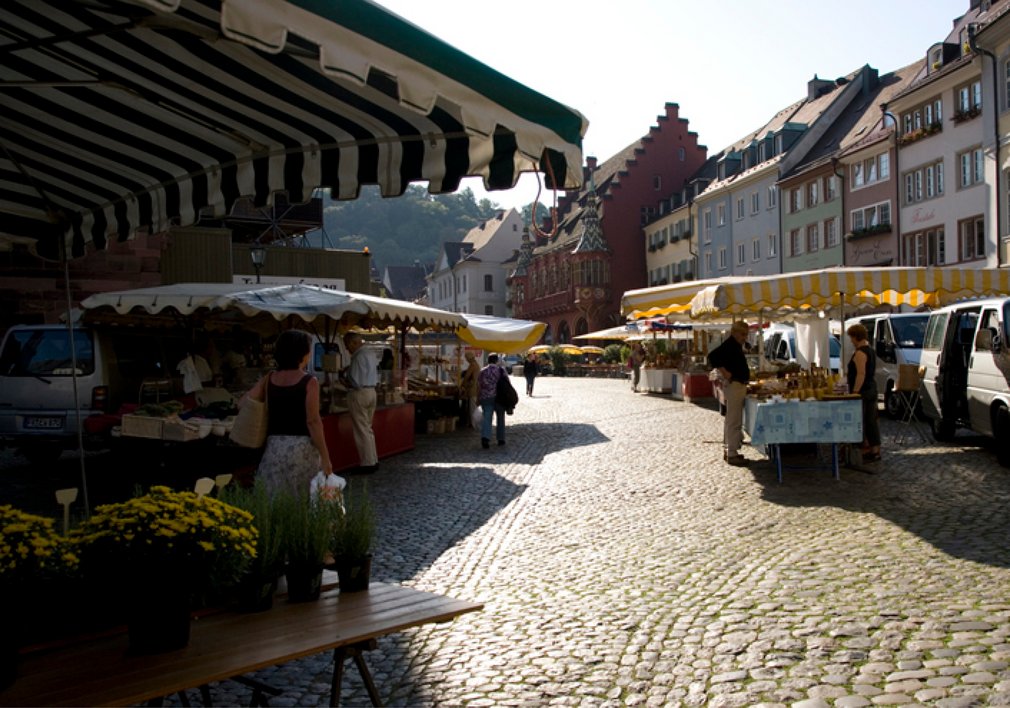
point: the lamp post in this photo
(258, 254)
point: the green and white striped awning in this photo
(118, 115)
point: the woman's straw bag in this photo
(250, 426)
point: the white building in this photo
(468, 275)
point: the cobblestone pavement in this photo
(623, 563)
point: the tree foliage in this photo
(400, 230)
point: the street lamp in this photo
(259, 257)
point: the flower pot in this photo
(353, 573)
(255, 593)
(305, 581)
(158, 616)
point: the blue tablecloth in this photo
(792, 421)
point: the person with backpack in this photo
(491, 394)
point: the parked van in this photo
(780, 345)
(967, 370)
(897, 340)
(37, 408)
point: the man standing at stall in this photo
(731, 363)
(361, 378)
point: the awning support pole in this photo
(73, 374)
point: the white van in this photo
(37, 413)
(780, 345)
(967, 370)
(897, 340)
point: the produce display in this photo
(802, 384)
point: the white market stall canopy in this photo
(820, 290)
(304, 302)
(500, 334)
(119, 115)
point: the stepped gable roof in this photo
(406, 282)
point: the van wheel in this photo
(894, 406)
(943, 429)
(1002, 430)
(42, 454)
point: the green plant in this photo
(267, 521)
(31, 549)
(354, 532)
(559, 361)
(208, 540)
(613, 354)
(306, 526)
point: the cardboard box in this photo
(142, 426)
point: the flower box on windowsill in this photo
(920, 133)
(962, 116)
(674, 238)
(857, 234)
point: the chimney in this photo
(818, 87)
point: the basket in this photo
(179, 432)
(142, 426)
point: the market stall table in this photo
(393, 426)
(100, 672)
(776, 423)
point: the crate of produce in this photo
(142, 426)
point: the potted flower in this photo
(33, 558)
(160, 549)
(352, 539)
(307, 524)
(255, 590)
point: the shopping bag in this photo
(250, 426)
(327, 487)
(477, 417)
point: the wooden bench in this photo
(224, 645)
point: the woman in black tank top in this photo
(861, 370)
(296, 446)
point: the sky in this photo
(729, 64)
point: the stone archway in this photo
(564, 333)
(581, 326)
(548, 337)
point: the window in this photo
(657, 182)
(969, 97)
(756, 249)
(708, 262)
(884, 162)
(488, 283)
(720, 211)
(723, 263)
(813, 193)
(772, 246)
(795, 242)
(927, 115)
(795, 200)
(871, 170)
(763, 147)
(871, 216)
(681, 154)
(831, 233)
(645, 214)
(739, 208)
(971, 235)
(972, 167)
(488, 309)
(813, 237)
(755, 202)
(830, 188)
(926, 182)
(706, 222)
(773, 196)
(924, 248)
(741, 254)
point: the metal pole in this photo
(73, 375)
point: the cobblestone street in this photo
(623, 563)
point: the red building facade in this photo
(572, 277)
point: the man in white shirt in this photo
(361, 378)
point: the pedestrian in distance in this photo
(296, 447)
(360, 378)
(635, 360)
(487, 393)
(860, 375)
(468, 389)
(530, 371)
(729, 360)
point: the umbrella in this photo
(500, 334)
(589, 349)
(119, 115)
(540, 349)
(619, 333)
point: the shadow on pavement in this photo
(953, 497)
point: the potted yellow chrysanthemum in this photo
(162, 548)
(32, 555)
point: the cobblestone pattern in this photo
(622, 562)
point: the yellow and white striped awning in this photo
(665, 299)
(860, 287)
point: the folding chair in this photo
(908, 390)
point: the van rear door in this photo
(985, 381)
(932, 354)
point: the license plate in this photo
(41, 422)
